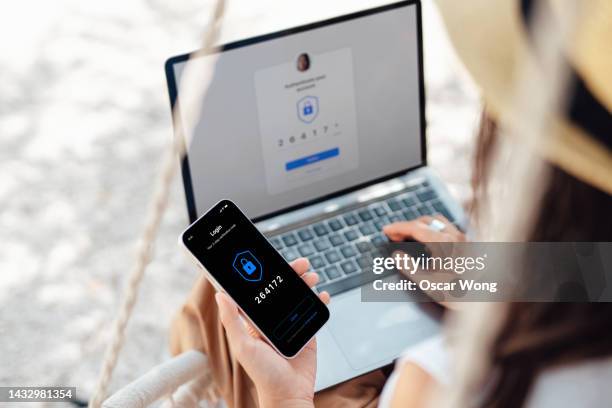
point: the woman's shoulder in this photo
(584, 384)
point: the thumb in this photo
(234, 327)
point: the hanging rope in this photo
(198, 85)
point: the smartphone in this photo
(240, 261)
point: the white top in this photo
(585, 385)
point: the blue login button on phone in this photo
(313, 158)
(299, 317)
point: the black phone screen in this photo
(256, 276)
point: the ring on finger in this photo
(436, 225)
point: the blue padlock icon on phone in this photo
(308, 110)
(248, 266)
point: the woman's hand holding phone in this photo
(280, 382)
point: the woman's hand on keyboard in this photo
(420, 229)
(279, 382)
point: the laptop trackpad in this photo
(376, 332)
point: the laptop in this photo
(318, 133)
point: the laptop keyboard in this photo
(341, 248)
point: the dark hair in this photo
(537, 336)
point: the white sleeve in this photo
(430, 354)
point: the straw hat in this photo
(495, 40)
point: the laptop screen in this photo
(307, 113)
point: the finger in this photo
(312, 344)
(325, 298)
(252, 331)
(311, 278)
(425, 219)
(401, 230)
(450, 228)
(300, 266)
(237, 334)
(443, 219)
(449, 225)
(415, 229)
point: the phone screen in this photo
(256, 276)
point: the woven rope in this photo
(154, 217)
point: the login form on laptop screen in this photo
(293, 118)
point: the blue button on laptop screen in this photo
(313, 158)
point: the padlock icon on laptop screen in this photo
(247, 266)
(308, 110)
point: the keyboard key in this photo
(289, 239)
(363, 246)
(332, 256)
(277, 243)
(335, 224)
(343, 285)
(394, 205)
(322, 245)
(306, 250)
(348, 251)
(350, 219)
(305, 234)
(379, 251)
(409, 201)
(423, 210)
(322, 278)
(336, 240)
(317, 262)
(379, 224)
(409, 214)
(425, 183)
(333, 272)
(365, 215)
(379, 239)
(413, 187)
(395, 218)
(351, 235)
(367, 229)
(441, 208)
(365, 262)
(427, 195)
(349, 267)
(384, 219)
(353, 281)
(379, 210)
(320, 229)
(289, 254)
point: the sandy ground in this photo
(84, 118)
